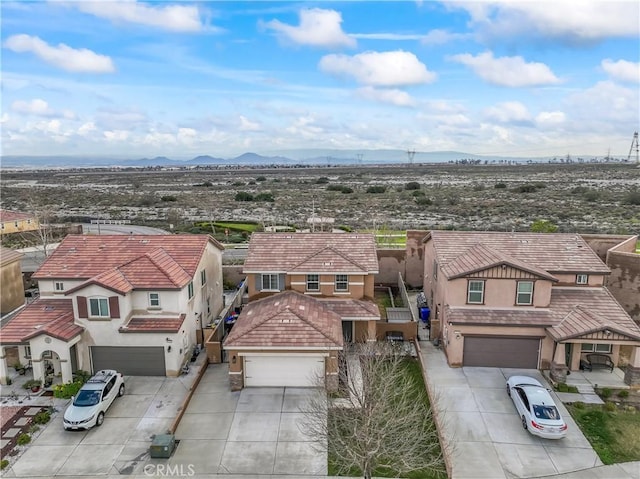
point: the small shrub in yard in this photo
(623, 394)
(42, 417)
(610, 406)
(34, 428)
(605, 393)
(4, 463)
(412, 185)
(65, 391)
(578, 405)
(23, 439)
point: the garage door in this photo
(300, 371)
(129, 360)
(501, 352)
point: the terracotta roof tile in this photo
(9, 256)
(500, 316)
(312, 252)
(87, 256)
(8, 215)
(480, 257)
(551, 252)
(44, 316)
(288, 319)
(353, 308)
(154, 324)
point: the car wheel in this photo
(524, 423)
(100, 419)
(121, 390)
(508, 391)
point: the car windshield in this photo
(87, 398)
(546, 412)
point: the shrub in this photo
(168, 198)
(633, 198)
(323, 180)
(261, 178)
(33, 429)
(562, 387)
(376, 189)
(578, 190)
(412, 185)
(341, 188)
(605, 393)
(42, 417)
(424, 201)
(610, 406)
(268, 197)
(478, 187)
(623, 394)
(578, 405)
(65, 391)
(4, 463)
(81, 375)
(243, 196)
(32, 383)
(543, 226)
(592, 196)
(417, 193)
(237, 183)
(500, 186)
(23, 439)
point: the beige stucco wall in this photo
(498, 292)
(19, 226)
(624, 281)
(360, 286)
(11, 286)
(570, 280)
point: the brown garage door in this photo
(129, 360)
(501, 352)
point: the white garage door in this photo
(300, 371)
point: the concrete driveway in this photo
(482, 427)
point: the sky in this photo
(127, 78)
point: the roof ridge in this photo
(152, 257)
(334, 250)
(313, 325)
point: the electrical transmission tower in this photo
(359, 157)
(410, 155)
(634, 146)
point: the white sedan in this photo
(536, 408)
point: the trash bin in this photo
(162, 446)
(424, 316)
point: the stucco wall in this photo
(408, 262)
(12, 287)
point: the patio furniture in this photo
(599, 361)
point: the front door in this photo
(568, 349)
(347, 331)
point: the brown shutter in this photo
(114, 307)
(82, 307)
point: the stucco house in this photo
(134, 303)
(310, 294)
(524, 300)
(11, 283)
(17, 222)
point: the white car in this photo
(537, 410)
(89, 406)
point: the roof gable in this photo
(44, 316)
(328, 259)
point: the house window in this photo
(99, 307)
(27, 352)
(59, 286)
(203, 277)
(582, 279)
(524, 293)
(154, 300)
(595, 348)
(28, 222)
(342, 282)
(313, 282)
(190, 289)
(475, 292)
(270, 282)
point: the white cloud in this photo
(395, 68)
(116, 135)
(622, 70)
(440, 37)
(318, 28)
(508, 112)
(392, 96)
(176, 18)
(87, 128)
(507, 71)
(61, 56)
(37, 107)
(550, 118)
(584, 21)
(248, 125)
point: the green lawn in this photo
(233, 226)
(412, 370)
(615, 435)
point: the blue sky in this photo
(180, 79)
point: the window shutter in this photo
(259, 282)
(114, 307)
(82, 307)
(281, 282)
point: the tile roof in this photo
(349, 309)
(286, 320)
(480, 257)
(9, 256)
(8, 215)
(44, 316)
(500, 316)
(311, 253)
(140, 259)
(580, 311)
(551, 252)
(154, 324)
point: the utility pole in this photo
(359, 157)
(634, 145)
(410, 155)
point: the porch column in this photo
(67, 374)
(558, 367)
(38, 369)
(632, 375)
(4, 369)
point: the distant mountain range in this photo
(309, 157)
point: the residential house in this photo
(11, 283)
(134, 303)
(523, 300)
(310, 294)
(17, 222)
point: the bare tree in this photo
(381, 422)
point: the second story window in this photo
(313, 282)
(154, 300)
(99, 307)
(475, 292)
(582, 279)
(58, 286)
(342, 282)
(524, 294)
(203, 277)
(190, 289)
(270, 282)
